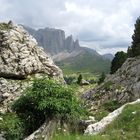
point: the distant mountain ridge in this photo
(54, 40)
(66, 51)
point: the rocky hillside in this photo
(122, 87)
(20, 60)
(68, 54)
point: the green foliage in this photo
(124, 127)
(118, 60)
(108, 85)
(127, 125)
(77, 137)
(111, 105)
(70, 79)
(47, 99)
(11, 125)
(79, 79)
(134, 50)
(5, 26)
(102, 78)
(100, 113)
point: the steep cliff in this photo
(54, 40)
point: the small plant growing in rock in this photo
(5, 26)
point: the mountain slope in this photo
(85, 62)
(68, 54)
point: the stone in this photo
(21, 56)
(21, 60)
(84, 82)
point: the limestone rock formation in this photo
(20, 56)
(123, 86)
(54, 40)
(20, 60)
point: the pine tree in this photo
(134, 50)
(79, 79)
(102, 78)
(118, 60)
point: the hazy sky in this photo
(104, 25)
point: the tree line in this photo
(133, 50)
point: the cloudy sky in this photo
(104, 25)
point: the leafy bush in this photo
(47, 99)
(11, 125)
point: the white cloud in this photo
(102, 25)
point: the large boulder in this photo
(21, 60)
(20, 55)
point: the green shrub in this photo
(111, 105)
(47, 99)
(5, 26)
(11, 125)
(79, 79)
(108, 85)
(70, 79)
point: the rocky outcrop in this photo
(98, 127)
(20, 56)
(20, 60)
(123, 86)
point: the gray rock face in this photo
(10, 90)
(20, 60)
(20, 56)
(54, 40)
(123, 86)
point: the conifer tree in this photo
(134, 50)
(118, 60)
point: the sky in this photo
(104, 25)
